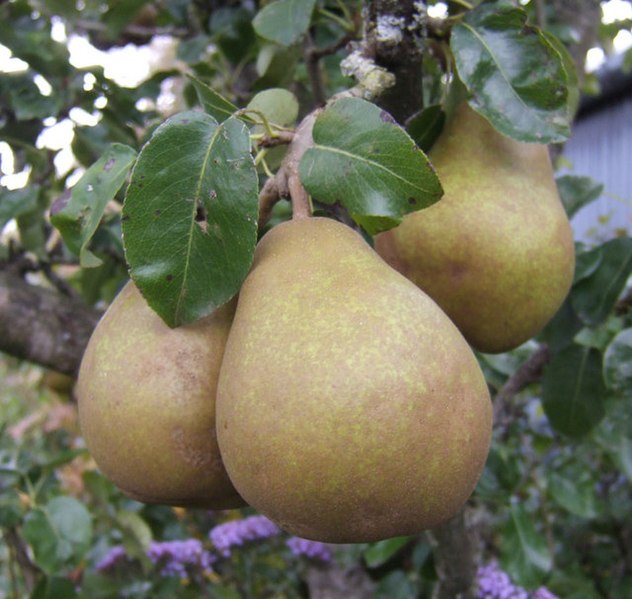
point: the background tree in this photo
(553, 505)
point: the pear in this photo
(496, 252)
(349, 406)
(146, 397)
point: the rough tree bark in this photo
(394, 39)
(42, 325)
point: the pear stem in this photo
(301, 206)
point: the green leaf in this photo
(190, 216)
(17, 202)
(395, 585)
(587, 261)
(278, 105)
(572, 79)
(573, 390)
(517, 80)
(58, 533)
(78, 216)
(212, 102)
(426, 126)
(284, 21)
(577, 192)
(525, 555)
(379, 553)
(54, 587)
(617, 363)
(576, 494)
(594, 297)
(137, 534)
(367, 163)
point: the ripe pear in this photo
(349, 406)
(146, 397)
(496, 252)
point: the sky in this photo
(130, 65)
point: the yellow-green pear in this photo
(146, 396)
(349, 406)
(496, 252)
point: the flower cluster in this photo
(493, 583)
(310, 549)
(236, 532)
(174, 556)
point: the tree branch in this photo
(395, 32)
(43, 326)
(457, 555)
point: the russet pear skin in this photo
(146, 397)
(350, 408)
(496, 252)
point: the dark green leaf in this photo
(119, 15)
(379, 553)
(212, 102)
(516, 78)
(190, 216)
(525, 556)
(367, 163)
(573, 390)
(572, 80)
(426, 126)
(577, 192)
(30, 39)
(617, 363)
(27, 101)
(17, 202)
(54, 587)
(78, 216)
(594, 297)
(284, 21)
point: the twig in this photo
(136, 30)
(300, 198)
(278, 139)
(17, 548)
(529, 372)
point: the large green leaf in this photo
(573, 390)
(594, 297)
(525, 555)
(577, 192)
(516, 78)
(190, 216)
(77, 216)
(363, 160)
(284, 21)
(59, 533)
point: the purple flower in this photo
(310, 549)
(493, 583)
(111, 558)
(175, 556)
(236, 532)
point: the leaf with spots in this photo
(190, 216)
(77, 213)
(364, 161)
(516, 77)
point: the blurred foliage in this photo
(555, 498)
